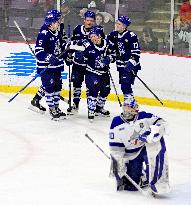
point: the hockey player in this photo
(49, 46)
(97, 78)
(136, 139)
(35, 102)
(80, 33)
(126, 47)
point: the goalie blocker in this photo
(138, 150)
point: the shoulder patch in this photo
(86, 44)
(44, 32)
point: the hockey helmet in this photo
(89, 14)
(52, 16)
(130, 109)
(125, 20)
(97, 31)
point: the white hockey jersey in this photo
(124, 136)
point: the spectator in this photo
(69, 15)
(185, 11)
(148, 41)
(188, 39)
(179, 38)
(99, 19)
(48, 4)
(93, 7)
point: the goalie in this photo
(138, 150)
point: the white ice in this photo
(43, 162)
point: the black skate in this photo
(102, 112)
(54, 114)
(36, 106)
(74, 109)
(62, 114)
(91, 116)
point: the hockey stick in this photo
(126, 175)
(105, 54)
(37, 75)
(119, 101)
(156, 97)
(91, 140)
(64, 99)
(24, 37)
(69, 76)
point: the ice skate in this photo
(74, 109)
(102, 112)
(36, 106)
(62, 114)
(54, 114)
(91, 116)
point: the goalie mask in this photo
(130, 110)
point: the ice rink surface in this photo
(43, 162)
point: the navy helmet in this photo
(97, 31)
(125, 20)
(52, 16)
(89, 14)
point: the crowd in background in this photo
(73, 11)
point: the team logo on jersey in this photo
(126, 40)
(44, 32)
(92, 51)
(141, 125)
(95, 82)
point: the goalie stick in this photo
(146, 193)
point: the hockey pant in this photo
(126, 79)
(99, 89)
(52, 81)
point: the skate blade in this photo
(72, 112)
(101, 115)
(91, 120)
(35, 109)
(63, 118)
(55, 119)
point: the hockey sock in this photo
(50, 100)
(56, 99)
(91, 104)
(76, 95)
(40, 94)
(101, 102)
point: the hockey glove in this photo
(106, 61)
(53, 60)
(152, 135)
(130, 66)
(143, 137)
(79, 55)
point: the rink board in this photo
(167, 76)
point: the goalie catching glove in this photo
(153, 134)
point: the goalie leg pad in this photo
(158, 167)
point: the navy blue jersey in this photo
(93, 56)
(49, 42)
(126, 47)
(79, 35)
